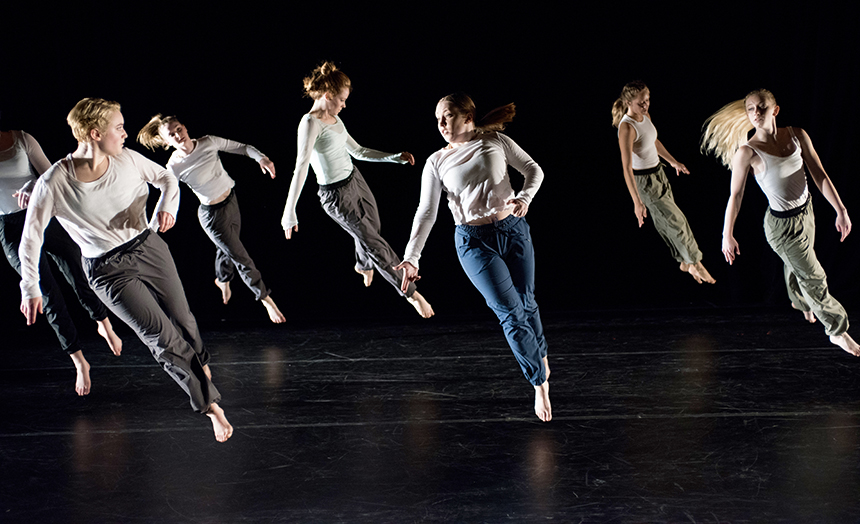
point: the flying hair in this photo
(150, 134)
(728, 129)
(495, 120)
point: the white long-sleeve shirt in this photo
(328, 148)
(475, 177)
(202, 169)
(98, 215)
(17, 165)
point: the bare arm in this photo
(626, 137)
(740, 171)
(825, 185)
(664, 154)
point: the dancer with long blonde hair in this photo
(777, 156)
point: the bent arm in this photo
(167, 184)
(626, 137)
(40, 163)
(238, 148)
(522, 162)
(664, 154)
(740, 171)
(823, 182)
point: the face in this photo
(640, 103)
(760, 110)
(175, 134)
(337, 102)
(453, 126)
(110, 141)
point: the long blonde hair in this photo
(150, 135)
(628, 93)
(495, 120)
(728, 129)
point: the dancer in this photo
(492, 237)
(643, 173)
(99, 195)
(776, 157)
(196, 162)
(324, 143)
(21, 158)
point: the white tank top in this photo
(783, 179)
(644, 148)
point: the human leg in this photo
(792, 238)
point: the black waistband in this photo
(16, 216)
(211, 207)
(339, 183)
(649, 171)
(131, 244)
(791, 212)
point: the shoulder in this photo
(310, 123)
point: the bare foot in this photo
(105, 329)
(808, 315)
(847, 343)
(82, 367)
(698, 272)
(225, 290)
(223, 429)
(546, 365)
(367, 275)
(542, 406)
(275, 314)
(421, 306)
(207, 371)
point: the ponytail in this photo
(150, 135)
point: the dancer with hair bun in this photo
(21, 162)
(492, 236)
(646, 181)
(776, 156)
(324, 143)
(196, 162)
(98, 193)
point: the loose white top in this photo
(783, 179)
(328, 148)
(644, 147)
(99, 215)
(475, 177)
(202, 169)
(17, 166)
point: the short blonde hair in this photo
(89, 114)
(150, 135)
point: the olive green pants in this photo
(671, 224)
(793, 239)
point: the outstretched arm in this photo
(626, 137)
(664, 154)
(825, 185)
(372, 155)
(740, 170)
(238, 148)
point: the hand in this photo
(23, 194)
(165, 221)
(520, 207)
(267, 165)
(843, 224)
(408, 157)
(641, 212)
(30, 307)
(730, 249)
(288, 233)
(410, 274)
(680, 168)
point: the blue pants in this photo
(499, 259)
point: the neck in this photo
(321, 109)
(463, 138)
(88, 154)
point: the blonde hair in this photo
(728, 129)
(150, 135)
(628, 93)
(89, 114)
(326, 78)
(495, 120)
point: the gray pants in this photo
(793, 239)
(671, 224)
(351, 204)
(139, 283)
(223, 223)
(67, 256)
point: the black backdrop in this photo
(235, 70)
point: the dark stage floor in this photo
(704, 415)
